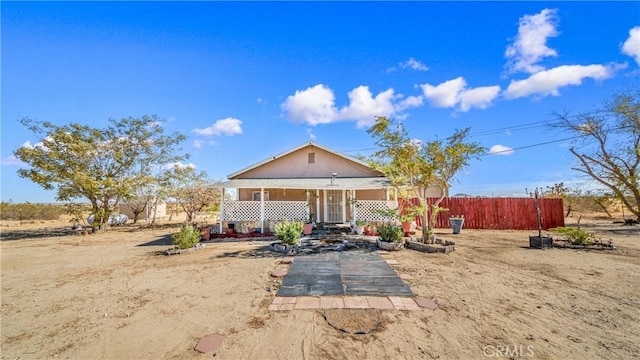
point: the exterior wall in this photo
(296, 165)
(274, 194)
(377, 194)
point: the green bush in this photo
(575, 235)
(187, 237)
(390, 233)
(289, 231)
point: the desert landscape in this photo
(114, 295)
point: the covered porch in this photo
(325, 200)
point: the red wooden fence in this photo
(498, 213)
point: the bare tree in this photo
(192, 190)
(607, 145)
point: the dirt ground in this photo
(113, 296)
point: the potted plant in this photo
(408, 216)
(288, 232)
(456, 222)
(359, 228)
(391, 237)
(406, 222)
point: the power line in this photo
(532, 145)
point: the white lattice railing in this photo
(367, 210)
(291, 210)
(273, 210)
(241, 210)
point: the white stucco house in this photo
(309, 181)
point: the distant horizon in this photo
(248, 80)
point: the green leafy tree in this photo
(417, 166)
(102, 165)
(607, 145)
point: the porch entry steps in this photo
(351, 273)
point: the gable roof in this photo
(283, 154)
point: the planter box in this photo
(176, 251)
(540, 242)
(389, 246)
(429, 248)
(282, 248)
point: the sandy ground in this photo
(112, 296)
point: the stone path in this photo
(281, 303)
(357, 272)
(345, 280)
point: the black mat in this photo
(356, 272)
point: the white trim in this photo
(317, 195)
(262, 210)
(221, 209)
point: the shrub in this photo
(187, 237)
(289, 231)
(390, 233)
(576, 236)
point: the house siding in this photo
(296, 165)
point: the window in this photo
(256, 196)
(312, 158)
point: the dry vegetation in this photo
(112, 296)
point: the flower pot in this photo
(406, 226)
(359, 230)
(307, 229)
(456, 224)
(205, 233)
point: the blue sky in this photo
(247, 80)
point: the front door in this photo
(334, 206)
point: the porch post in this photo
(317, 205)
(308, 207)
(355, 208)
(221, 209)
(324, 201)
(344, 206)
(261, 210)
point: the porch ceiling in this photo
(361, 183)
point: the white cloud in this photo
(364, 107)
(549, 81)
(500, 150)
(229, 127)
(198, 144)
(414, 64)
(455, 92)
(316, 105)
(480, 97)
(444, 94)
(312, 136)
(12, 161)
(530, 45)
(410, 102)
(631, 47)
(180, 165)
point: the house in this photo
(307, 182)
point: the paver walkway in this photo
(354, 273)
